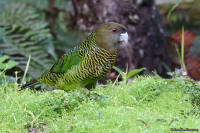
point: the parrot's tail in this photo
(29, 84)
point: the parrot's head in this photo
(110, 35)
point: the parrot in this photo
(86, 63)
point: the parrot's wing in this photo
(71, 58)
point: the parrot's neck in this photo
(92, 40)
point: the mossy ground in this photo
(147, 104)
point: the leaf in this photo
(182, 50)
(10, 64)
(2, 59)
(26, 34)
(8, 79)
(118, 70)
(135, 71)
(169, 13)
(170, 73)
(2, 30)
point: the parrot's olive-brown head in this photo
(110, 35)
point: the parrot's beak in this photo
(124, 37)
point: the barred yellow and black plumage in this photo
(86, 63)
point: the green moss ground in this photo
(147, 104)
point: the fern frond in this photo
(26, 35)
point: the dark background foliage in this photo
(47, 29)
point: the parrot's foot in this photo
(96, 85)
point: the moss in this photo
(146, 104)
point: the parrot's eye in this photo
(114, 30)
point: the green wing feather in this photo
(61, 69)
(67, 61)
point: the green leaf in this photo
(26, 34)
(182, 48)
(135, 71)
(118, 70)
(156, 74)
(170, 73)
(8, 79)
(169, 13)
(10, 64)
(2, 30)
(2, 59)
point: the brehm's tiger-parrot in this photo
(86, 63)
